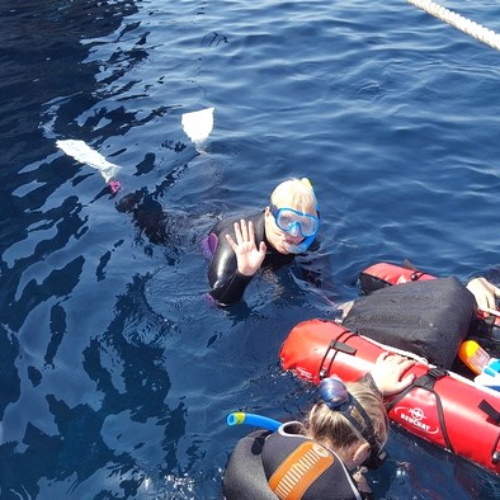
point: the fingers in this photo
(238, 233)
(232, 243)
(485, 294)
(490, 294)
(244, 232)
(394, 359)
(405, 382)
(382, 357)
(399, 364)
(247, 233)
(489, 298)
(406, 365)
(250, 234)
(244, 229)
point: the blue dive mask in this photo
(297, 224)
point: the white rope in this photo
(469, 27)
(401, 352)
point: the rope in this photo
(469, 27)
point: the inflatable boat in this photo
(441, 406)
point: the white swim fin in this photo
(198, 124)
(83, 153)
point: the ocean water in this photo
(116, 372)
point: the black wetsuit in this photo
(288, 463)
(227, 283)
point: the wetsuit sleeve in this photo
(226, 282)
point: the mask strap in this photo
(368, 433)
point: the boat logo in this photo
(415, 417)
(401, 279)
(417, 414)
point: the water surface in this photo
(117, 373)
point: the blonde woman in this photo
(288, 226)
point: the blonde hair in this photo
(332, 429)
(295, 193)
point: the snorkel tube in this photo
(240, 417)
(302, 246)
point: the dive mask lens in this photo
(293, 221)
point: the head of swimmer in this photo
(292, 217)
(355, 446)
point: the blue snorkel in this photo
(240, 417)
(305, 243)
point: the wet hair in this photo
(295, 193)
(332, 429)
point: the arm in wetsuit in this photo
(226, 282)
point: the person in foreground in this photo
(317, 459)
(287, 227)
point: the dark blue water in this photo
(116, 373)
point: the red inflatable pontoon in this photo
(441, 407)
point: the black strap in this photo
(490, 411)
(336, 345)
(427, 381)
(415, 276)
(495, 416)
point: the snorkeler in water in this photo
(285, 228)
(326, 455)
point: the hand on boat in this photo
(485, 294)
(248, 256)
(388, 372)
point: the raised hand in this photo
(248, 256)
